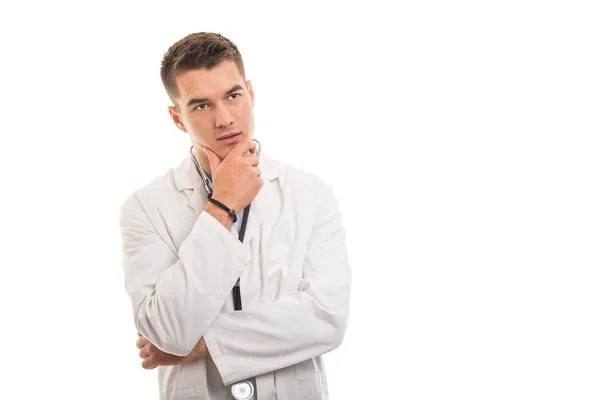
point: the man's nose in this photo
(223, 117)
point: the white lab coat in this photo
(180, 265)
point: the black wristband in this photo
(224, 207)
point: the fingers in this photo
(252, 160)
(141, 342)
(242, 147)
(147, 364)
(253, 147)
(144, 352)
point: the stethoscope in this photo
(243, 390)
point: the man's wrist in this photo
(229, 211)
(226, 200)
(219, 214)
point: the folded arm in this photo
(297, 326)
(166, 286)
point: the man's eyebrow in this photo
(204, 100)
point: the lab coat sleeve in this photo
(167, 286)
(297, 326)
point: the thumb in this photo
(213, 159)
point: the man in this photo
(182, 255)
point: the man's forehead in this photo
(209, 82)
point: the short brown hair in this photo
(197, 51)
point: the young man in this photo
(182, 255)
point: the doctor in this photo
(182, 255)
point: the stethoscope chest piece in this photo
(242, 390)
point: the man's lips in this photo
(228, 136)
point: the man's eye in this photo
(201, 106)
(236, 95)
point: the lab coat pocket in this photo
(310, 384)
(195, 392)
(278, 260)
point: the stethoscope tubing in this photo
(237, 298)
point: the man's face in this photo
(212, 104)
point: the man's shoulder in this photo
(185, 176)
(159, 186)
(295, 176)
(304, 187)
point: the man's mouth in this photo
(228, 136)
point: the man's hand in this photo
(153, 357)
(236, 179)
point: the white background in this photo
(461, 139)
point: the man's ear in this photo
(249, 88)
(175, 117)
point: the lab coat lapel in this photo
(198, 198)
(187, 179)
(259, 209)
(262, 203)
